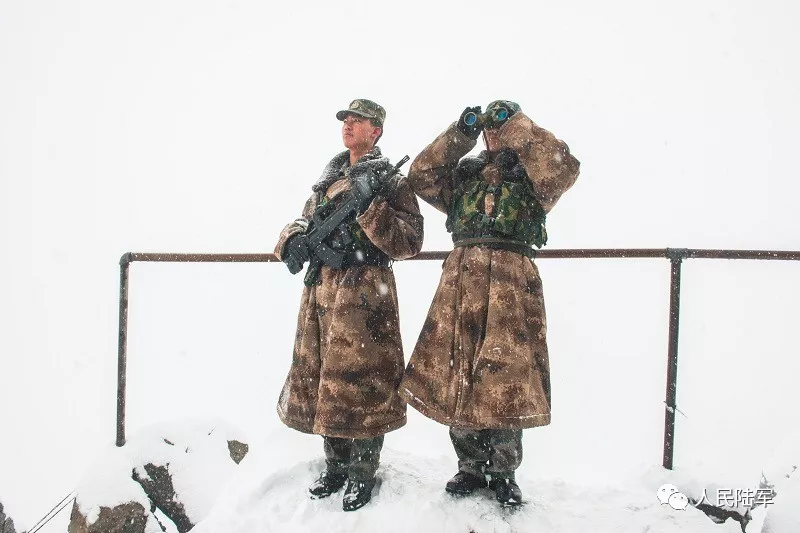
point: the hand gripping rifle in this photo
(320, 228)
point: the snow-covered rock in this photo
(177, 468)
(6, 524)
(156, 480)
(724, 496)
(762, 502)
(126, 517)
(108, 497)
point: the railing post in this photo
(676, 256)
(122, 355)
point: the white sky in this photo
(200, 126)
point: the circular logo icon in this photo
(664, 492)
(678, 501)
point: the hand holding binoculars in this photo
(491, 119)
(472, 121)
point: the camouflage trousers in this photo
(358, 458)
(488, 451)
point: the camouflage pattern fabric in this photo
(358, 458)
(548, 162)
(506, 209)
(481, 359)
(364, 108)
(487, 451)
(348, 355)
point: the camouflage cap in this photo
(364, 108)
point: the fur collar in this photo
(373, 160)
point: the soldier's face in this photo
(492, 140)
(358, 132)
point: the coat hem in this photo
(342, 433)
(498, 422)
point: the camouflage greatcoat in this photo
(481, 359)
(348, 355)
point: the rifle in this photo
(320, 228)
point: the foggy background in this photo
(200, 126)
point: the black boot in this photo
(464, 483)
(358, 494)
(327, 484)
(507, 491)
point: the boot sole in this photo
(459, 492)
(511, 504)
(322, 496)
(349, 508)
(465, 492)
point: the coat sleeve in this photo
(431, 174)
(547, 160)
(393, 222)
(299, 225)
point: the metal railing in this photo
(674, 255)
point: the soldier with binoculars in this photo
(481, 364)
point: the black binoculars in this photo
(489, 119)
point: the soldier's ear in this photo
(378, 133)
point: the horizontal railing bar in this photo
(744, 254)
(576, 253)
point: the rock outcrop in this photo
(171, 470)
(124, 518)
(6, 524)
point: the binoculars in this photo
(489, 119)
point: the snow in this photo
(108, 483)
(784, 516)
(196, 452)
(267, 492)
(271, 496)
(784, 463)
(783, 472)
(198, 127)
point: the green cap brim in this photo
(340, 115)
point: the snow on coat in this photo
(348, 355)
(481, 359)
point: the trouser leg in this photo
(472, 449)
(505, 451)
(337, 454)
(365, 458)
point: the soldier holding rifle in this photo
(348, 357)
